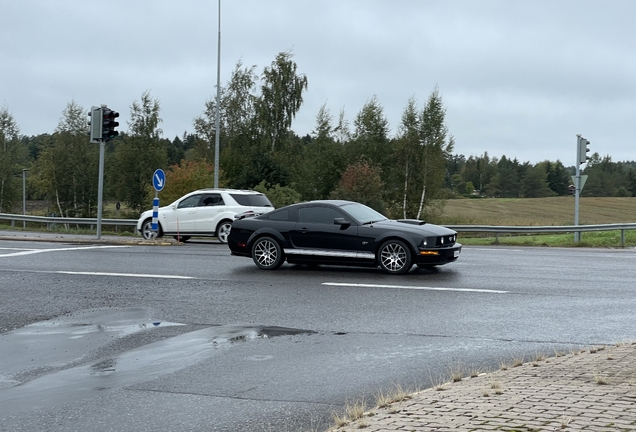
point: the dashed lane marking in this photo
(157, 276)
(414, 287)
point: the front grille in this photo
(444, 241)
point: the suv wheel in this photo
(223, 230)
(147, 232)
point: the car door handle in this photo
(303, 230)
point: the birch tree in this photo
(238, 112)
(436, 147)
(281, 97)
(407, 148)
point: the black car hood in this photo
(410, 225)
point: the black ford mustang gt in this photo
(340, 233)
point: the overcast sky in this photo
(518, 78)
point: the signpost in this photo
(158, 182)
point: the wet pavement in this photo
(49, 363)
(582, 390)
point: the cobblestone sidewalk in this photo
(590, 390)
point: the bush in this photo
(280, 196)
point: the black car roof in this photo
(336, 203)
(332, 202)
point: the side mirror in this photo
(342, 222)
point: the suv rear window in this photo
(259, 200)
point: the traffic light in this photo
(583, 150)
(109, 124)
(95, 124)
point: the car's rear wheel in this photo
(147, 232)
(267, 253)
(394, 257)
(223, 230)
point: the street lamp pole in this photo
(24, 170)
(218, 103)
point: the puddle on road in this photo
(62, 342)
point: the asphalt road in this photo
(112, 337)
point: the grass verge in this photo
(600, 239)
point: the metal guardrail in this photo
(459, 228)
(541, 229)
(66, 220)
(544, 229)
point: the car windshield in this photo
(255, 200)
(362, 213)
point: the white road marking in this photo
(496, 249)
(36, 251)
(415, 287)
(126, 275)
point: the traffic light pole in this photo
(102, 126)
(577, 194)
(579, 181)
(100, 188)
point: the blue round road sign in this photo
(159, 179)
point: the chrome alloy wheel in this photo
(266, 254)
(394, 257)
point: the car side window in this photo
(281, 215)
(320, 215)
(211, 200)
(191, 201)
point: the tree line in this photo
(508, 178)
(407, 175)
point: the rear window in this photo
(281, 215)
(259, 200)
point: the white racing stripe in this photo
(157, 276)
(36, 251)
(414, 287)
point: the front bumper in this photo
(438, 256)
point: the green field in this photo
(542, 211)
(538, 211)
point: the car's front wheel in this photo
(147, 232)
(394, 257)
(267, 253)
(223, 230)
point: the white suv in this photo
(205, 212)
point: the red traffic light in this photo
(109, 124)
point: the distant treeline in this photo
(405, 175)
(509, 178)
